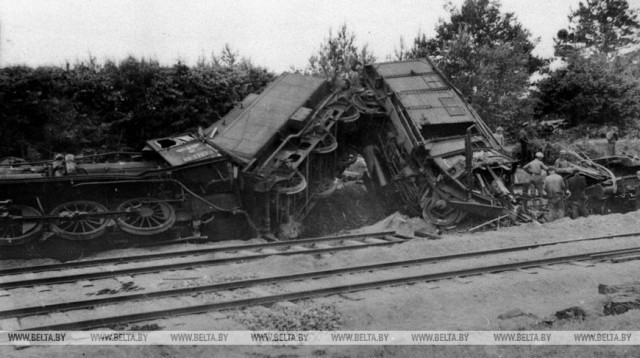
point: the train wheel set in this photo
(84, 220)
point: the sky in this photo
(277, 34)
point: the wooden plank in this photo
(633, 287)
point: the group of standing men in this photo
(558, 190)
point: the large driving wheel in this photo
(146, 216)
(437, 211)
(16, 227)
(351, 114)
(295, 185)
(80, 220)
(325, 188)
(327, 145)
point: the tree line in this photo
(117, 106)
(485, 52)
(488, 55)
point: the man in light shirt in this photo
(499, 135)
(534, 168)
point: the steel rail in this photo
(175, 266)
(293, 296)
(144, 257)
(149, 269)
(242, 284)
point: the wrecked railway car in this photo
(423, 141)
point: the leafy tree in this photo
(603, 26)
(338, 55)
(116, 106)
(485, 25)
(593, 90)
(598, 83)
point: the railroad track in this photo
(189, 258)
(291, 296)
(305, 246)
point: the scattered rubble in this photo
(309, 317)
(572, 313)
(620, 298)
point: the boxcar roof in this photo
(427, 98)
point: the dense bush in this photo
(115, 106)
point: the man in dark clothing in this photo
(576, 185)
(524, 141)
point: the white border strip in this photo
(299, 338)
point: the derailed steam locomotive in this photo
(271, 158)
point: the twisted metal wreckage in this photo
(273, 156)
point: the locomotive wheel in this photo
(147, 216)
(16, 232)
(327, 145)
(86, 227)
(292, 186)
(437, 211)
(351, 114)
(325, 188)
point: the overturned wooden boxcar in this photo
(421, 139)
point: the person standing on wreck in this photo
(524, 142)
